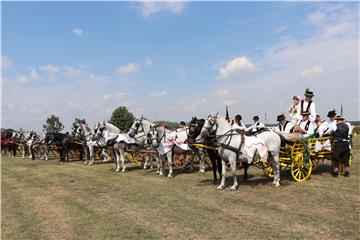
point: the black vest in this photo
(342, 132)
(283, 129)
(306, 125)
(302, 106)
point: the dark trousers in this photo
(341, 152)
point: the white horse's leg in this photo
(91, 155)
(222, 184)
(276, 167)
(233, 171)
(200, 157)
(169, 159)
(147, 157)
(118, 157)
(23, 150)
(105, 156)
(122, 156)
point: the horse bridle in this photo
(136, 129)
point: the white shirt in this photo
(350, 128)
(311, 110)
(310, 130)
(242, 126)
(327, 127)
(256, 126)
(288, 127)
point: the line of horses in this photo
(226, 145)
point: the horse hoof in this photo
(202, 171)
(233, 188)
(123, 170)
(170, 176)
(220, 187)
(277, 184)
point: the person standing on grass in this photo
(341, 149)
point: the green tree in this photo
(79, 120)
(53, 125)
(122, 118)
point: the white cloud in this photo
(33, 73)
(78, 32)
(280, 29)
(148, 62)
(50, 69)
(148, 8)
(6, 62)
(107, 97)
(158, 94)
(128, 69)
(71, 72)
(312, 72)
(316, 17)
(235, 68)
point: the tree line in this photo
(120, 117)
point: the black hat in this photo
(295, 98)
(238, 117)
(308, 93)
(339, 117)
(280, 117)
(181, 123)
(255, 118)
(305, 113)
(331, 113)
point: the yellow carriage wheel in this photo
(134, 157)
(267, 169)
(178, 160)
(97, 153)
(300, 168)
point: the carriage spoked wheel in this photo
(300, 168)
(267, 169)
(179, 160)
(134, 157)
(342, 167)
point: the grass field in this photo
(48, 200)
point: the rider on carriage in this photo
(327, 127)
(284, 125)
(256, 127)
(238, 125)
(307, 105)
(305, 126)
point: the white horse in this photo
(170, 142)
(84, 132)
(36, 143)
(139, 131)
(111, 136)
(232, 145)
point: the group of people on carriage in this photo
(305, 121)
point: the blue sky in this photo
(175, 60)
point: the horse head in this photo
(153, 136)
(194, 129)
(210, 126)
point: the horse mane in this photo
(111, 127)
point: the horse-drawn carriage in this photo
(302, 157)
